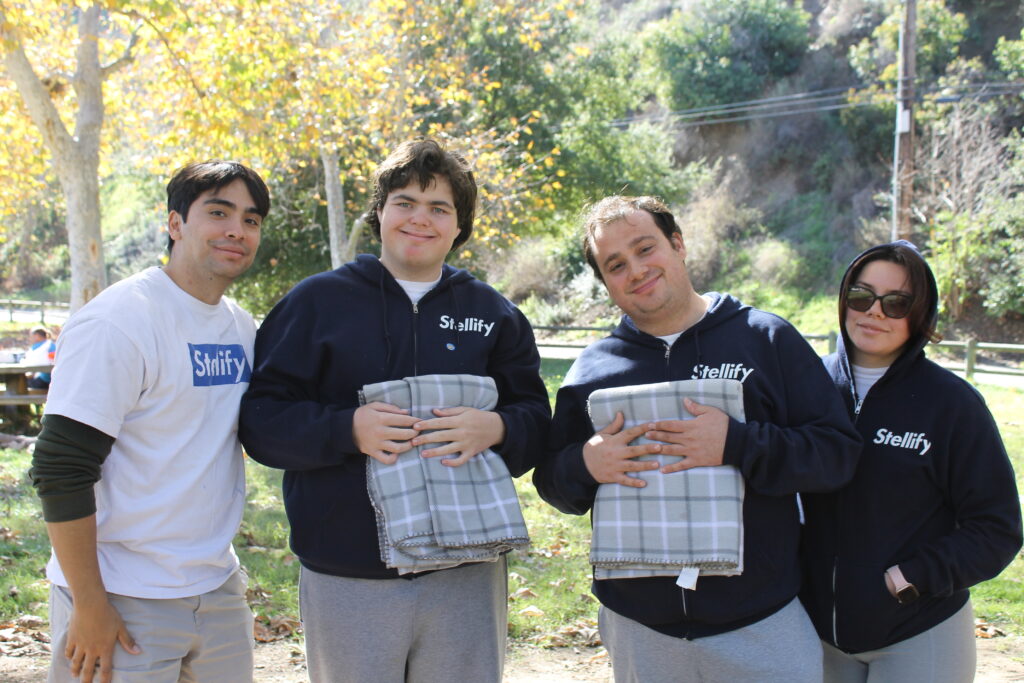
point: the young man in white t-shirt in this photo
(138, 466)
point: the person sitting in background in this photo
(41, 352)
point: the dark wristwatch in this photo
(906, 592)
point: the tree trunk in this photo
(335, 204)
(85, 237)
(75, 159)
(343, 247)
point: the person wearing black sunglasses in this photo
(932, 508)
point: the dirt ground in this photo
(999, 659)
(283, 662)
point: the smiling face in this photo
(645, 272)
(878, 339)
(216, 243)
(417, 230)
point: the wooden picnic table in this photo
(16, 397)
(15, 378)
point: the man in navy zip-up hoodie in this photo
(796, 437)
(372, 320)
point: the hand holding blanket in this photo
(431, 516)
(692, 518)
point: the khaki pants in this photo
(201, 639)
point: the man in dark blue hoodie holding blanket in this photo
(795, 437)
(368, 323)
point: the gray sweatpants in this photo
(449, 625)
(782, 647)
(945, 653)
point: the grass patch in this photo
(1001, 600)
(549, 585)
(553, 371)
(262, 546)
(24, 546)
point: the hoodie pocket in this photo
(867, 615)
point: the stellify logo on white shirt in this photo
(214, 364)
(916, 441)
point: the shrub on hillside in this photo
(526, 268)
(711, 225)
(723, 50)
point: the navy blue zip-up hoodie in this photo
(340, 330)
(934, 493)
(797, 438)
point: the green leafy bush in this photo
(724, 51)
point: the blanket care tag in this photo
(688, 578)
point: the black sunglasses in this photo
(893, 305)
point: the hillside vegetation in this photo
(767, 125)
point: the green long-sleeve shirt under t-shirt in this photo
(65, 466)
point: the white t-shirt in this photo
(415, 290)
(670, 339)
(163, 373)
(865, 378)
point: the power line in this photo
(818, 101)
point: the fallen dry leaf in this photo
(531, 611)
(983, 629)
(267, 630)
(30, 621)
(523, 592)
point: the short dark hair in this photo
(616, 208)
(191, 181)
(922, 319)
(419, 161)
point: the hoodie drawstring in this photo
(384, 306)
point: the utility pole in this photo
(903, 152)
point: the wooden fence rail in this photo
(43, 306)
(970, 349)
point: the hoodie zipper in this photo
(682, 591)
(858, 403)
(835, 612)
(415, 338)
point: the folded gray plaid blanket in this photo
(692, 518)
(430, 516)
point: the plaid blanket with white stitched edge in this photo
(430, 516)
(692, 518)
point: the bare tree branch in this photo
(124, 59)
(179, 61)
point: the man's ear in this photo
(678, 244)
(174, 224)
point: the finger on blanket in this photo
(690, 519)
